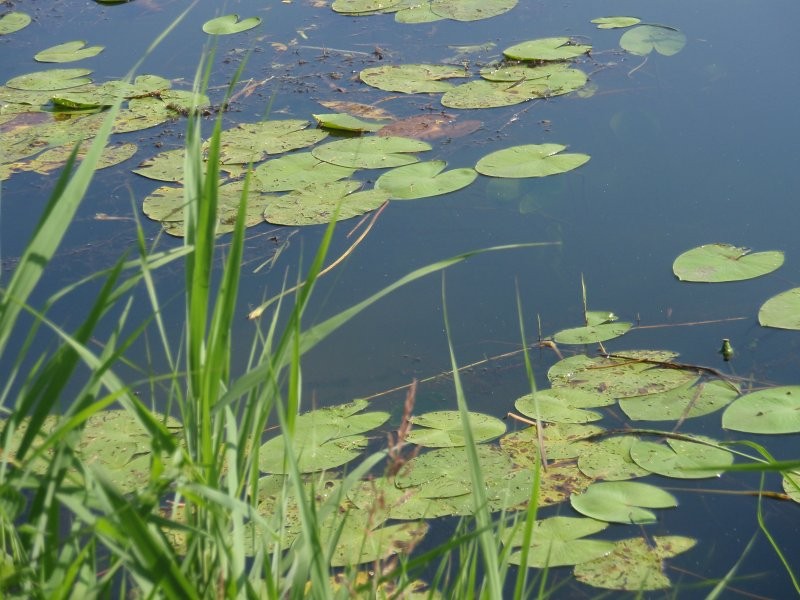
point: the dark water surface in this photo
(696, 148)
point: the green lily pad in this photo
(55, 158)
(774, 410)
(315, 204)
(680, 459)
(622, 501)
(443, 429)
(591, 334)
(417, 12)
(552, 48)
(553, 406)
(791, 485)
(683, 402)
(599, 317)
(492, 94)
(615, 22)
(642, 40)
(357, 545)
(530, 160)
(412, 79)
(557, 542)
(13, 21)
(253, 142)
(166, 166)
(781, 311)
(556, 79)
(610, 459)
(68, 52)
(562, 441)
(635, 565)
(363, 6)
(345, 122)
(423, 180)
(371, 152)
(228, 24)
(724, 262)
(53, 79)
(471, 10)
(296, 171)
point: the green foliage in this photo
(68, 52)
(622, 501)
(642, 40)
(724, 262)
(552, 48)
(14, 21)
(773, 410)
(530, 160)
(615, 22)
(782, 311)
(229, 24)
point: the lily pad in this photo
(166, 166)
(296, 171)
(552, 48)
(724, 262)
(774, 410)
(357, 545)
(471, 10)
(363, 6)
(493, 94)
(683, 402)
(634, 565)
(557, 542)
(591, 334)
(622, 501)
(417, 12)
(253, 142)
(344, 122)
(680, 459)
(615, 22)
(556, 78)
(68, 52)
(424, 179)
(53, 79)
(791, 485)
(552, 406)
(642, 40)
(371, 152)
(781, 311)
(13, 21)
(412, 79)
(315, 204)
(444, 429)
(55, 158)
(228, 24)
(561, 441)
(610, 459)
(530, 160)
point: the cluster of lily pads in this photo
(586, 465)
(425, 11)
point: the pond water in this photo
(690, 149)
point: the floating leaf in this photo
(424, 179)
(68, 52)
(430, 127)
(599, 317)
(357, 545)
(228, 24)
(781, 311)
(471, 10)
(553, 405)
(417, 12)
(53, 79)
(13, 21)
(791, 485)
(345, 123)
(774, 410)
(552, 48)
(644, 39)
(683, 402)
(561, 441)
(315, 204)
(556, 542)
(531, 160)
(615, 22)
(635, 564)
(681, 459)
(610, 459)
(724, 262)
(591, 333)
(492, 94)
(55, 158)
(363, 6)
(166, 166)
(412, 79)
(556, 79)
(371, 152)
(622, 501)
(444, 429)
(253, 142)
(296, 171)
(357, 109)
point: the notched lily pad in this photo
(774, 410)
(53, 79)
(317, 203)
(14, 21)
(615, 22)
(444, 429)
(680, 458)
(683, 402)
(424, 179)
(530, 160)
(781, 311)
(552, 48)
(724, 262)
(371, 152)
(610, 459)
(642, 40)
(68, 52)
(622, 501)
(412, 79)
(558, 541)
(228, 24)
(591, 334)
(471, 10)
(296, 171)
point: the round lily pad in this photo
(53, 79)
(551, 405)
(471, 10)
(296, 171)
(774, 410)
(782, 311)
(530, 160)
(622, 501)
(492, 94)
(13, 21)
(363, 6)
(561, 441)
(552, 48)
(412, 79)
(610, 459)
(68, 52)
(724, 262)
(441, 429)
(228, 24)
(557, 541)
(642, 40)
(315, 204)
(424, 179)
(371, 152)
(683, 402)
(253, 142)
(680, 459)
(615, 22)
(592, 333)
